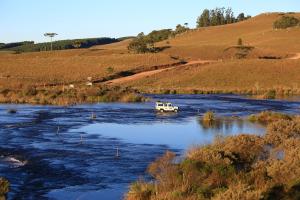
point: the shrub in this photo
(110, 70)
(266, 117)
(236, 167)
(5, 91)
(282, 130)
(4, 187)
(270, 94)
(140, 191)
(286, 22)
(209, 116)
(240, 42)
(30, 91)
(141, 44)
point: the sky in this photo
(28, 20)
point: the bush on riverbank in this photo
(267, 117)
(66, 96)
(246, 167)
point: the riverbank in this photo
(68, 96)
(246, 167)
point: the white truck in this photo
(165, 107)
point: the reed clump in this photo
(266, 117)
(209, 116)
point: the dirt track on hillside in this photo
(296, 56)
(152, 72)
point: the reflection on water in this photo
(176, 135)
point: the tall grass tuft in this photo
(4, 188)
(209, 117)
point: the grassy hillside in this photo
(266, 65)
(211, 42)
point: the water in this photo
(50, 152)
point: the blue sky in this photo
(30, 19)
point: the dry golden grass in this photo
(228, 76)
(72, 65)
(210, 42)
(113, 46)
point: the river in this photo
(52, 152)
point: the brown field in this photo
(71, 65)
(230, 76)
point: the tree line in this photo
(30, 46)
(219, 16)
(146, 43)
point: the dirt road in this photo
(152, 72)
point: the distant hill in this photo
(30, 46)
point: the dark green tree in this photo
(214, 18)
(241, 17)
(141, 44)
(180, 29)
(220, 15)
(204, 19)
(229, 16)
(160, 35)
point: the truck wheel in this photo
(176, 111)
(161, 110)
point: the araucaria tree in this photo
(51, 35)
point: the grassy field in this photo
(72, 65)
(44, 77)
(242, 76)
